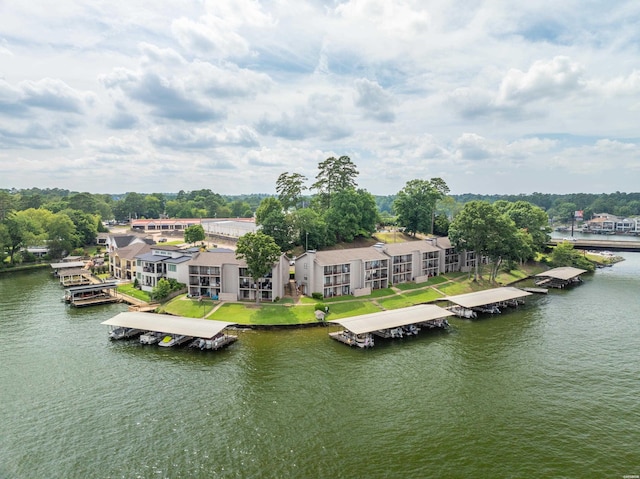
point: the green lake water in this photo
(551, 389)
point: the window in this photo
(172, 268)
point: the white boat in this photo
(123, 333)
(173, 340)
(214, 343)
(151, 337)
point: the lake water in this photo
(551, 389)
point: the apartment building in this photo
(358, 271)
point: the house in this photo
(122, 261)
(601, 223)
(113, 242)
(162, 261)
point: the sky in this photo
(494, 97)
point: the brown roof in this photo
(342, 256)
(213, 258)
(423, 246)
(131, 251)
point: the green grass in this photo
(188, 307)
(351, 308)
(431, 282)
(129, 290)
(266, 314)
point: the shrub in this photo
(317, 296)
(319, 307)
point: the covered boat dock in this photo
(71, 273)
(203, 333)
(91, 294)
(489, 301)
(359, 330)
(560, 277)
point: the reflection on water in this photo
(547, 390)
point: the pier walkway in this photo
(598, 245)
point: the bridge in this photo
(598, 245)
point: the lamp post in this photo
(306, 246)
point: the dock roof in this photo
(393, 318)
(91, 287)
(68, 264)
(565, 273)
(489, 296)
(164, 323)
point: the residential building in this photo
(161, 262)
(355, 271)
(122, 261)
(412, 260)
(358, 271)
(220, 275)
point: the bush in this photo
(319, 307)
(317, 296)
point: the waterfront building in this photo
(122, 261)
(355, 271)
(358, 271)
(220, 275)
(161, 262)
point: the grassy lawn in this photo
(351, 308)
(188, 307)
(266, 314)
(466, 286)
(409, 299)
(129, 290)
(393, 237)
(432, 281)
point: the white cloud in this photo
(376, 102)
(544, 80)
(228, 94)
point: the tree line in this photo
(309, 213)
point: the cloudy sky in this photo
(161, 96)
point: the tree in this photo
(415, 204)
(352, 213)
(480, 227)
(274, 222)
(529, 218)
(7, 204)
(194, 233)
(260, 252)
(21, 231)
(289, 187)
(241, 209)
(565, 255)
(161, 290)
(334, 175)
(310, 228)
(86, 226)
(61, 234)
(131, 206)
(153, 205)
